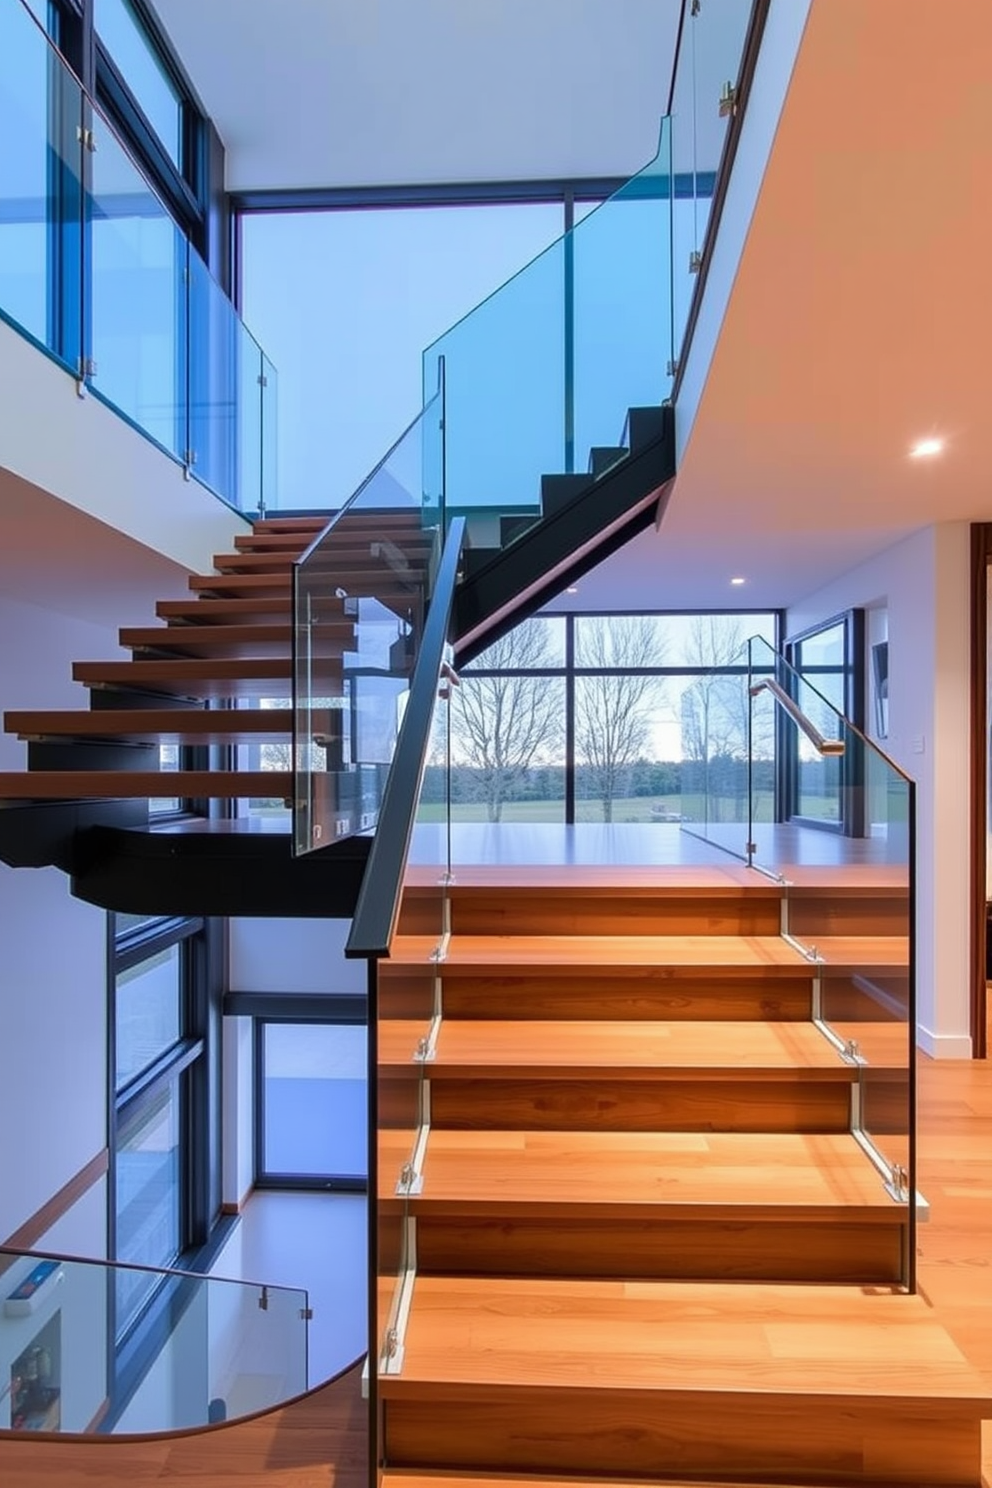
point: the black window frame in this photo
(185, 1062)
(852, 764)
(184, 188)
(571, 671)
(287, 1009)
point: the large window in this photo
(313, 1105)
(604, 717)
(142, 68)
(346, 301)
(160, 1149)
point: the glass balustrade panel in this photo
(360, 599)
(200, 1350)
(848, 889)
(707, 71)
(139, 311)
(41, 195)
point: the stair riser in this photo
(726, 1105)
(547, 914)
(728, 1437)
(664, 1250)
(664, 993)
(867, 915)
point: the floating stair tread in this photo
(157, 725)
(113, 785)
(274, 639)
(829, 1343)
(398, 1477)
(223, 611)
(712, 1175)
(273, 563)
(312, 524)
(485, 1049)
(625, 955)
(164, 668)
(244, 676)
(242, 584)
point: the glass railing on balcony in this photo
(705, 94)
(94, 270)
(199, 1351)
(360, 599)
(794, 790)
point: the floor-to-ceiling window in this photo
(160, 1126)
(347, 297)
(592, 717)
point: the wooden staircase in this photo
(647, 1243)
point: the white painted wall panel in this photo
(924, 582)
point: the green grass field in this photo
(632, 809)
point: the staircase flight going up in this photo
(644, 1240)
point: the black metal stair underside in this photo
(584, 518)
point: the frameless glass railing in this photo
(542, 373)
(546, 367)
(400, 929)
(360, 599)
(94, 270)
(705, 95)
(797, 792)
(201, 1350)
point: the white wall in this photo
(923, 583)
(100, 464)
(53, 1029)
(293, 956)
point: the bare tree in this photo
(719, 716)
(503, 724)
(612, 723)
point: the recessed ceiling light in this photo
(924, 449)
(572, 589)
(738, 581)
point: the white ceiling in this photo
(309, 93)
(860, 321)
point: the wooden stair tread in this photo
(206, 677)
(709, 1175)
(833, 1343)
(400, 1477)
(313, 524)
(624, 954)
(222, 611)
(156, 725)
(480, 1049)
(111, 785)
(262, 640)
(242, 585)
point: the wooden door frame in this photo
(981, 563)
